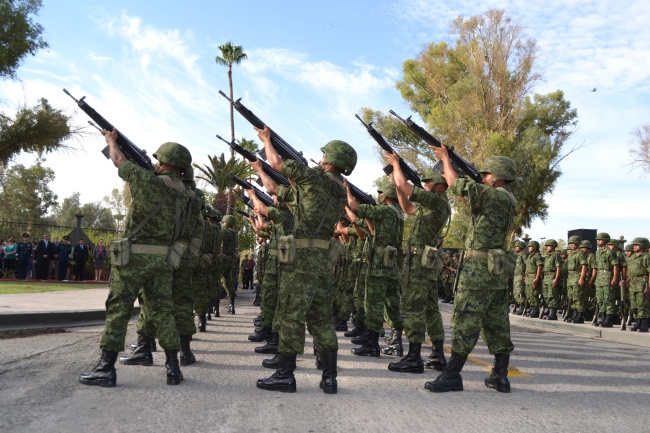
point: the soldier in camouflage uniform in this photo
(260, 259)
(533, 279)
(552, 277)
(638, 270)
(606, 281)
(346, 280)
(229, 259)
(576, 281)
(563, 281)
(150, 226)
(481, 304)
(305, 282)
(519, 285)
(590, 292)
(446, 277)
(613, 245)
(359, 272)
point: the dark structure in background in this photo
(585, 235)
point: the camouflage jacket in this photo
(431, 215)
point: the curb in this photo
(58, 317)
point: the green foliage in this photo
(25, 193)
(249, 145)
(119, 202)
(94, 214)
(19, 34)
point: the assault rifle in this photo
(274, 175)
(360, 196)
(245, 214)
(132, 152)
(283, 148)
(460, 165)
(622, 305)
(264, 197)
(409, 173)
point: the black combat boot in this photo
(569, 317)
(637, 325)
(202, 323)
(209, 316)
(411, 363)
(341, 326)
(272, 363)
(141, 355)
(265, 334)
(579, 318)
(370, 348)
(499, 378)
(174, 375)
(187, 357)
(607, 322)
(154, 348)
(450, 378)
(520, 310)
(216, 309)
(356, 331)
(361, 339)
(394, 347)
(231, 310)
(552, 314)
(283, 379)
(600, 319)
(271, 347)
(644, 325)
(328, 381)
(437, 360)
(534, 312)
(104, 373)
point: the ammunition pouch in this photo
(496, 260)
(432, 258)
(205, 260)
(286, 249)
(121, 250)
(389, 256)
(195, 247)
(176, 253)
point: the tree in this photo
(249, 145)
(94, 214)
(640, 149)
(19, 34)
(25, 193)
(119, 202)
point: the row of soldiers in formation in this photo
(605, 287)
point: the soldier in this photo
(481, 304)
(563, 281)
(552, 277)
(589, 293)
(519, 285)
(229, 259)
(533, 279)
(606, 281)
(260, 259)
(424, 261)
(387, 224)
(304, 295)
(346, 280)
(150, 230)
(577, 273)
(445, 278)
(204, 283)
(359, 272)
(638, 269)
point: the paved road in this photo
(563, 383)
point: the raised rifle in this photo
(245, 214)
(274, 175)
(283, 148)
(409, 173)
(132, 152)
(460, 165)
(360, 196)
(264, 197)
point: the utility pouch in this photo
(205, 260)
(121, 250)
(286, 249)
(432, 258)
(390, 257)
(335, 250)
(176, 254)
(496, 261)
(195, 247)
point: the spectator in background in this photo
(11, 252)
(31, 266)
(249, 266)
(63, 258)
(99, 255)
(54, 263)
(80, 256)
(2, 254)
(44, 253)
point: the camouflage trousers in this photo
(183, 298)
(639, 304)
(577, 298)
(532, 292)
(229, 278)
(551, 296)
(305, 297)
(202, 283)
(153, 275)
(519, 289)
(392, 306)
(346, 293)
(358, 295)
(481, 312)
(420, 310)
(270, 289)
(375, 298)
(449, 287)
(606, 299)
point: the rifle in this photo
(360, 196)
(274, 175)
(409, 173)
(132, 152)
(283, 148)
(264, 197)
(622, 306)
(459, 267)
(245, 214)
(460, 165)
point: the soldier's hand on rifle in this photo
(257, 165)
(346, 184)
(351, 215)
(441, 152)
(264, 134)
(392, 158)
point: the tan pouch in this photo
(205, 260)
(195, 247)
(176, 254)
(432, 258)
(121, 250)
(496, 261)
(286, 249)
(336, 248)
(390, 257)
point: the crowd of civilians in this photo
(50, 259)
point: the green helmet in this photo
(214, 213)
(565, 252)
(533, 244)
(431, 174)
(603, 237)
(640, 241)
(205, 211)
(341, 154)
(175, 154)
(501, 167)
(390, 191)
(230, 219)
(575, 240)
(613, 242)
(520, 244)
(455, 255)
(629, 247)
(551, 242)
(585, 244)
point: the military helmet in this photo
(501, 167)
(565, 252)
(341, 154)
(585, 244)
(613, 242)
(205, 210)
(603, 237)
(431, 174)
(175, 154)
(574, 240)
(390, 191)
(533, 244)
(629, 247)
(640, 241)
(455, 255)
(214, 213)
(520, 244)
(230, 219)
(551, 242)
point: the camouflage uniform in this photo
(229, 260)
(552, 261)
(533, 261)
(359, 274)
(519, 285)
(638, 268)
(346, 279)
(576, 299)
(605, 263)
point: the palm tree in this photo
(216, 174)
(231, 55)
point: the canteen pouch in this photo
(205, 260)
(390, 257)
(121, 250)
(286, 249)
(432, 258)
(496, 261)
(335, 250)
(195, 247)
(176, 254)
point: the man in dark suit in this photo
(43, 254)
(80, 256)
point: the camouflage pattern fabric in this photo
(519, 286)
(590, 292)
(359, 272)
(345, 303)
(575, 260)
(229, 262)
(638, 267)
(605, 295)
(551, 263)
(533, 261)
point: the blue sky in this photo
(149, 68)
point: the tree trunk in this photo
(232, 131)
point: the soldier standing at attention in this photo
(576, 281)
(534, 273)
(305, 282)
(590, 292)
(150, 228)
(552, 275)
(229, 259)
(424, 261)
(607, 269)
(481, 301)
(519, 285)
(638, 269)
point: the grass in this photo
(11, 287)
